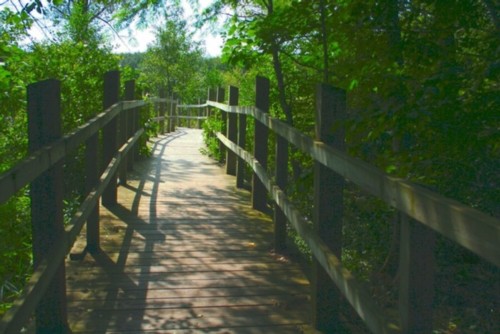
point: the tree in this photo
(174, 61)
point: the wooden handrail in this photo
(15, 318)
(42, 160)
(464, 225)
(183, 106)
(352, 289)
(467, 226)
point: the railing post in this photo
(261, 134)
(198, 115)
(91, 180)
(232, 131)
(46, 192)
(416, 268)
(171, 126)
(123, 137)
(192, 111)
(175, 112)
(162, 95)
(137, 122)
(132, 128)
(240, 164)
(221, 92)
(281, 174)
(328, 206)
(111, 96)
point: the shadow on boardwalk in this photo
(183, 252)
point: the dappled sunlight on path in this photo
(184, 252)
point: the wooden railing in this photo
(45, 293)
(423, 212)
(171, 114)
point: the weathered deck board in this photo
(184, 253)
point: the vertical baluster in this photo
(161, 106)
(91, 181)
(232, 131)
(221, 92)
(240, 164)
(328, 206)
(46, 192)
(261, 134)
(281, 174)
(111, 96)
(416, 268)
(130, 96)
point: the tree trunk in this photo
(287, 108)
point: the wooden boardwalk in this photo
(183, 252)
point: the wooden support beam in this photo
(175, 121)
(46, 193)
(221, 92)
(110, 146)
(171, 124)
(232, 131)
(198, 114)
(161, 109)
(281, 174)
(122, 139)
(91, 181)
(328, 206)
(240, 164)
(132, 127)
(416, 268)
(261, 134)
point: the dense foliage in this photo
(77, 51)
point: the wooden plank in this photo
(261, 134)
(132, 127)
(416, 282)
(162, 93)
(183, 106)
(240, 163)
(91, 181)
(173, 295)
(223, 116)
(199, 319)
(101, 280)
(180, 267)
(276, 329)
(189, 299)
(110, 133)
(328, 208)
(281, 176)
(232, 131)
(46, 194)
(161, 100)
(123, 136)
